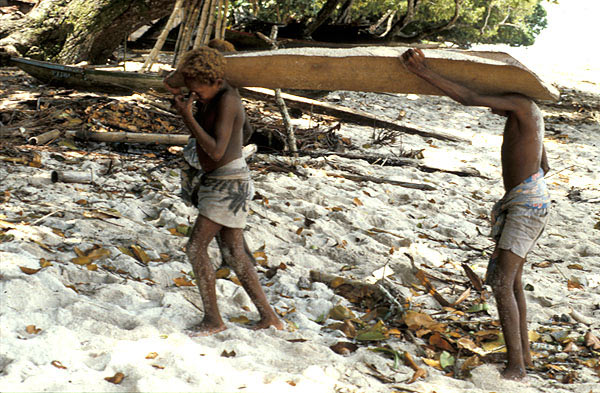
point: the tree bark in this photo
(72, 31)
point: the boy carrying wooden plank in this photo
(224, 188)
(520, 217)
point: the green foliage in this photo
(514, 22)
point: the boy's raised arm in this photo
(414, 60)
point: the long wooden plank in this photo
(378, 69)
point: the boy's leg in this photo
(503, 280)
(233, 239)
(226, 254)
(522, 305)
(197, 250)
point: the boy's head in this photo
(204, 65)
(203, 70)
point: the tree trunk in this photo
(71, 31)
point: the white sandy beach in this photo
(129, 317)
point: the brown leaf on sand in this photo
(116, 379)
(415, 321)
(183, 282)
(476, 281)
(592, 341)
(31, 329)
(58, 364)
(440, 342)
(419, 372)
(421, 275)
(344, 348)
(28, 270)
(574, 284)
(140, 254)
(471, 363)
(462, 297)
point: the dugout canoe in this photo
(378, 69)
(372, 69)
(88, 78)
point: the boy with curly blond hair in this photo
(224, 188)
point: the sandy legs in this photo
(197, 250)
(240, 260)
(510, 299)
(243, 266)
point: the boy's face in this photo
(204, 92)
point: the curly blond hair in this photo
(205, 65)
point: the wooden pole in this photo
(43, 138)
(131, 137)
(210, 25)
(188, 28)
(72, 177)
(202, 24)
(162, 37)
(219, 21)
(225, 16)
(185, 12)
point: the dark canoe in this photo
(88, 78)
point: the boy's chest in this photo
(206, 118)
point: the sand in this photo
(134, 320)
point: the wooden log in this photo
(72, 177)
(162, 37)
(130, 137)
(352, 115)
(378, 180)
(378, 69)
(44, 138)
(392, 161)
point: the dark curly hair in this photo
(205, 65)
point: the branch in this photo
(487, 17)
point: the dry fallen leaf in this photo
(28, 270)
(31, 329)
(152, 355)
(241, 319)
(58, 364)
(183, 282)
(344, 348)
(140, 254)
(592, 342)
(116, 379)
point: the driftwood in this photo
(351, 115)
(44, 138)
(391, 161)
(417, 186)
(72, 177)
(354, 291)
(130, 137)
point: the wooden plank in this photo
(378, 69)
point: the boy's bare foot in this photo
(515, 374)
(206, 329)
(267, 323)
